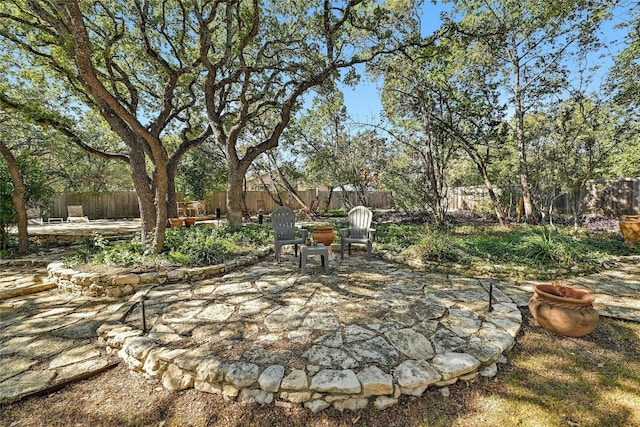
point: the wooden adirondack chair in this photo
(284, 230)
(359, 231)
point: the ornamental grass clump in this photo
(548, 246)
(436, 244)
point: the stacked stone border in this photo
(314, 388)
(503, 271)
(117, 285)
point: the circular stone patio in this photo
(363, 334)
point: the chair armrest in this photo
(344, 232)
(372, 234)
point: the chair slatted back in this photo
(360, 221)
(284, 223)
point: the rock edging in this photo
(109, 285)
(181, 369)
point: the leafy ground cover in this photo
(519, 250)
(200, 245)
(541, 252)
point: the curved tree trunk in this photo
(17, 196)
(161, 186)
(144, 192)
(492, 194)
(287, 185)
(172, 206)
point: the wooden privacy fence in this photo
(108, 205)
(606, 198)
(469, 198)
(609, 198)
(376, 200)
(612, 198)
(124, 204)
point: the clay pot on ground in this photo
(630, 228)
(563, 310)
(324, 235)
(189, 221)
(176, 222)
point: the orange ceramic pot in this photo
(324, 235)
(189, 221)
(565, 311)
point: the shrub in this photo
(204, 245)
(546, 245)
(435, 244)
(201, 245)
(395, 237)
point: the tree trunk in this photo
(144, 192)
(172, 201)
(287, 185)
(492, 195)
(522, 156)
(234, 196)
(17, 196)
(328, 200)
(161, 184)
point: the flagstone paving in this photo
(367, 332)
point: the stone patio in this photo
(362, 335)
(366, 332)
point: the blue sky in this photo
(363, 101)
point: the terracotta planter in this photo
(563, 310)
(324, 235)
(630, 228)
(189, 221)
(176, 222)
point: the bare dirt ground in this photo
(118, 398)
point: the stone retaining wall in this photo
(315, 389)
(110, 285)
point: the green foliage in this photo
(33, 174)
(335, 213)
(548, 246)
(6, 204)
(200, 172)
(204, 245)
(435, 244)
(396, 237)
(537, 248)
(198, 245)
(98, 250)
